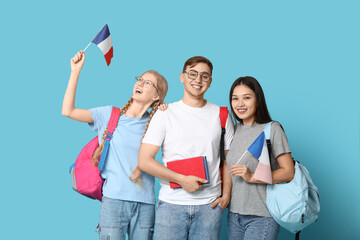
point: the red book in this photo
(196, 166)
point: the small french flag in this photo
(103, 41)
(259, 150)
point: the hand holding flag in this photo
(259, 150)
(103, 41)
(241, 170)
(77, 61)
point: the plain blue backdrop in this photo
(304, 53)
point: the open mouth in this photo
(241, 110)
(197, 87)
(138, 91)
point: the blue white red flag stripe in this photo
(103, 41)
(259, 150)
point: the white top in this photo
(184, 132)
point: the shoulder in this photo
(276, 126)
(161, 115)
(211, 109)
(105, 110)
(173, 105)
(172, 109)
(237, 126)
(277, 130)
(211, 105)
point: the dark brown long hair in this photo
(262, 114)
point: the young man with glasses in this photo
(188, 128)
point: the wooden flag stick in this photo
(87, 46)
(241, 157)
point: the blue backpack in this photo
(296, 204)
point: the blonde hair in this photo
(162, 85)
(98, 151)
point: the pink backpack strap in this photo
(113, 121)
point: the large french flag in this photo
(103, 41)
(259, 150)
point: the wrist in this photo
(179, 178)
(75, 72)
(226, 197)
(251, 178)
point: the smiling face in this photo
(244, 104)
(146, 90)
(196, 88)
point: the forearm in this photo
(282, 175)
(286, 170)
(149, 165)
(69, 97)
(68, 109)
(227, 182)
(278, 176)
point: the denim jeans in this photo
(119, 217)
(250, 227)
(193, 222)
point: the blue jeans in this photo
(187, 222)
(119, 217)
(250, 227)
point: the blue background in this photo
(304, 53)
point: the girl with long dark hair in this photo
(248, 216)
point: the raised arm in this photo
(68, 107)
(147, 163)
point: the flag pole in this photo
(241, 157)
(87, 46)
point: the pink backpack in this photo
(85, 176)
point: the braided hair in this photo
(98, 151)
(163, 87)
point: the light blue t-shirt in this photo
(122, 157)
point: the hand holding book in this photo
(195, 173)
(192, 183)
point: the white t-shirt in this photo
(184, 132)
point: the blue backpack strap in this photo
(267, 130)
(105, 151)
(71, 167)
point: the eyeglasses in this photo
(193, 74)
(145, 83)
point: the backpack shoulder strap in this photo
(267, 130)
(223, 117)
(113, 121)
